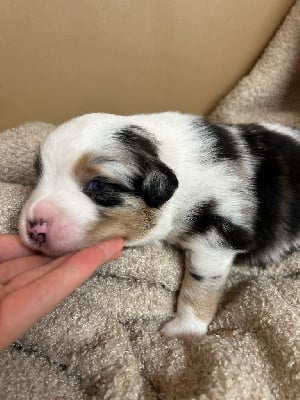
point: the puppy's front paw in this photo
(184, 326)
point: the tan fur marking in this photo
(84, 169)
(203, 297)
(131, 223)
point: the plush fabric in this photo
(103, 342)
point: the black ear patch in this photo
(154, 182)
(158, 185)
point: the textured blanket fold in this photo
(103, 341)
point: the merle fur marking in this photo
(225, 147)
(205, 217)
(133, 137)
(277, 184)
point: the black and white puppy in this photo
(220, 192)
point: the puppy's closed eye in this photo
(105, 192)
(96, 185)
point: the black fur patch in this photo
(111, 195)
(205, 217)
(133, 138)
(225, 147)
(201, 278)
(37, 165)
(156, 185)
(198, 278)
(154, 182)
(277, 183)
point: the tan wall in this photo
(61, 58)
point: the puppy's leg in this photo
(205, 276)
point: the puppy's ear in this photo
(159, 183)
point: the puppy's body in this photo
(220, 192)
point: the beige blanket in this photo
(103, 341)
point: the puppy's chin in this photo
(57, 251)
(53, 248)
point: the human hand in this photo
(32, 285)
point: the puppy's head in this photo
(100, 177)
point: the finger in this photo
(19, 310)
(10, 269)
(2, 291)
(33, 274)
(11, 247)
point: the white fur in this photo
(185, 323)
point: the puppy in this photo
(220, 192)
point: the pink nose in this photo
(37, 230)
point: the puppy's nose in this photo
(37, 230)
